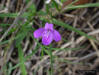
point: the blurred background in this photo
(76, 54)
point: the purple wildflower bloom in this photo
(48, 34)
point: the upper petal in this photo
(37, 33)
(56, 36)
(49, 26)
(47, 37)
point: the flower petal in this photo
(47, 37)
(56, 36)
(49, 26)
(38, 32)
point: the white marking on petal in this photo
(46, 33)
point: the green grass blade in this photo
(51, 60)
(60, 23)
(12, 15)
(82, 6)
(26, 58)
(56, 5)
(4, 25)
(21, 59)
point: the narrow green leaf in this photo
(60, 23)
(26, 58)
(12, 15)
(82, 6)
(21, 59)
(56, 5)
(4, 25)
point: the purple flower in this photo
(48, 34)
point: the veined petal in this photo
(47, 37)
(38, 32)
(49, 26)
(56, 36)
